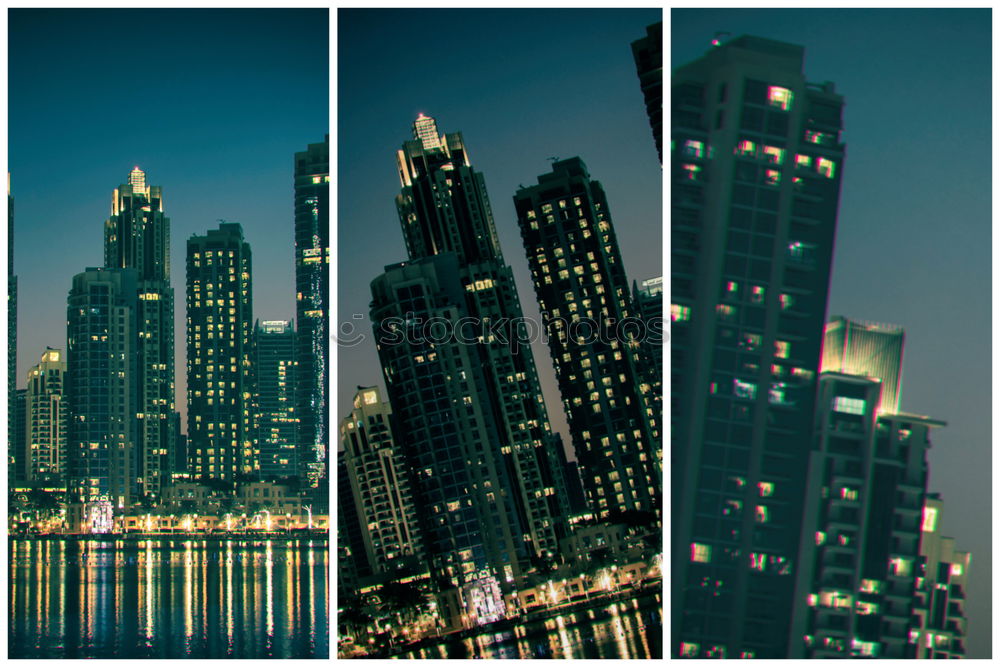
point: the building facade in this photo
(379, 479)
(45, 414)
(15, 469)
(648, 55)
(312, 307)
(444, 208)
(137, 236)
(103, 394)
(277, 422)
(220, 381)
(583, 294)
(941, 588)
(474, 538)
(857, 577)
(755, 169)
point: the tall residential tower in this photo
(586, 306)
(137, 236)
(312, 307)
(756, 166)
(220, 386)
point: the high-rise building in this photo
(648, 54)
(312, 307)
(220, 382)
(647, 298)
(378, 478)
(756, 168)
(941, 585)
(103, 393)
(137, 236)
(583, 294)
(45, 415)
(277, 423)
(859, 560)
(444, 208)
(475, 537)
(12, 443)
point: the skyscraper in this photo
(378, 477)
(756, 168)
(444, 208)
(648, 54)
(220, 383)
(583, 294)
(137, 236)
(475, 538)
(277, 423)
(45, 417)
(103, 393)
(11, 341)
(312, 308)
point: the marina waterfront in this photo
(620, 628)
(168, 598)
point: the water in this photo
(168, 599)
(622, 629)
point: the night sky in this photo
(522, 86)
(212, 105)
(913, 237)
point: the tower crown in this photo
(425, 131)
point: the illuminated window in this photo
(956, 569)
(750, 342)
(820, 537)
(802, 253)
(746, 148)
(851, 406)
(803, 161)
(689, 650)
(766, 489)
(757, 294)
(758, 561)
(847, 493)
(773, 154)
(701, 553)
(692, 171)
(786, 301)
(725, 311)
(900, 567)
(819, 138)
(745, 390)
(930, 519)
(772, 177)
(825, 167)
(679, 313)
(692, 148)
(761, 515)
(782, 349)
(870, 586)
(780, 98)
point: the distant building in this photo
(221, 440)
(648, 54)
(312, 307)
(19, 435)
(102, 390)
(137, 236)
(647, 298)
(379, 480)
(15, 469)
(45, 414)
(579, 279)
(277, 421)
(941, 589)
(756, 166)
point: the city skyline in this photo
(510, 143)
(230, 156)
(894, 260)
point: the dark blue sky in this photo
(211, 104)
(913, 238)
(522, 86)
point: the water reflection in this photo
(168, 599)
(626, 629)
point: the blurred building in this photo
(45, 420)
(756, 167)
(648, 54)
(277, 420)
